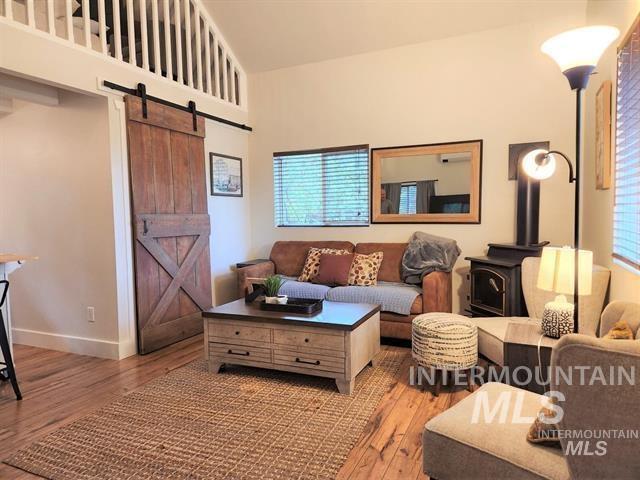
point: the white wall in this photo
(598, 204)
(230, 216)
(453, 177)
(56, 203)
(494, 85)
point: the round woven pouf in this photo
(444, 341)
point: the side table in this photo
(521, 350)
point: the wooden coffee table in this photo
(336, 343)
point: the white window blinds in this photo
(408, 199)
(626, 218)
(322, 187)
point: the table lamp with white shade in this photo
(556, 274)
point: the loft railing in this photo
(175, 39)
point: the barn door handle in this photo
(145, 227)
(244, 354)
(317, 362)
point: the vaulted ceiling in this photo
(271, 34)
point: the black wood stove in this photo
(495, 279)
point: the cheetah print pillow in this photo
(365, 268)
(312, 264)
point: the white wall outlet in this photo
(91, 314)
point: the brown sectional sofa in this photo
(288, 257)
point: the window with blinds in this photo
(626, 216)
(407, 199)
(322, 187)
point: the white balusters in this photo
(103, 26)
(178, 30)
(144, 35)
(166, 22)
(117, 29)
(187, 37)
(216, 66)
(225, 75)
(173, 37)
(69, 18)
(207, 58)
(51, 19)
(157, 62)
(198, 46)
(31, 14)
(232, 81)
(86, 23)
(8, 9)
(131, 33)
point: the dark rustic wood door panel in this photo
(171, 223)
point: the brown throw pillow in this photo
(620, 331)
(544, 433)
(365, 268)
(312, 263)
(334, 269)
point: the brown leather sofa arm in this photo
(436, 292)
(259, 270)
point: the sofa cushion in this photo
(491, 334)
(416, 306)
(454, 446)
(294, 288)
(334, 269)
(392, 297)
(391, 262)
(364, 269)
(289, 256)
(312, 263)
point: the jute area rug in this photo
(242, 424)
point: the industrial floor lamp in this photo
(577, 53)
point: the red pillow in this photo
(334, 269)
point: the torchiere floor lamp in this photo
(577, 53)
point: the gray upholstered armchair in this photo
(456, 448)
(492, 330)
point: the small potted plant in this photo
(272, 287)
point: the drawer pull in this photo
(306, 340)
(317, 362)
(237, 333)
(244, 354)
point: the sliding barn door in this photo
(170, 223)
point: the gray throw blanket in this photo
(428, 253)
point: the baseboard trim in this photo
(71, 344)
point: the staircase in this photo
(173, 39)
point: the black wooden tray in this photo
(300, 306)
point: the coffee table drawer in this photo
(310, 361)
(300, 338)
(242, 353)
(240, 332)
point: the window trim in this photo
(618, 258)
(363, 146)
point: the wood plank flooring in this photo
(61, 387)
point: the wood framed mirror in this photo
(435, 183)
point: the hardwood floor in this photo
(61, 387)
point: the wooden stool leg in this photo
(436, 390)
(6, 353)
(470, 383)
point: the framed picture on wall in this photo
(225, 174)
(603, 136)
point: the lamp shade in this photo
(539, 164)
(556, 272)
(580, 47)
